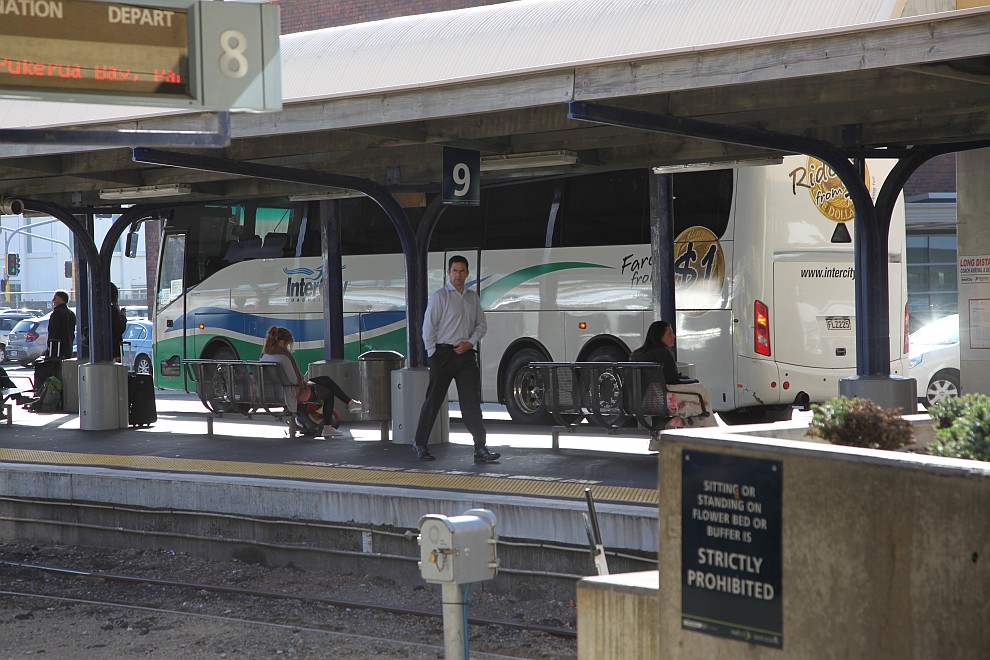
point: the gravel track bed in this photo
(172, 622)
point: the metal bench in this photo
(610, 393)
(241, 386)
(8, 408)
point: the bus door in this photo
(170, 313)
(473, 255)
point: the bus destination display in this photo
(74, 46)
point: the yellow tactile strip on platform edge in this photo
(420, 478)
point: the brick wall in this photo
(937, 175)
(302, 15)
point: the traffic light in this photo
(13, 265)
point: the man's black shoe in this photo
(423, 454)
(485, 455)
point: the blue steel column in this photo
(415, 265)
(333, 290)
(431, 216)
(82, 292)
(99, 283)
(662, 246)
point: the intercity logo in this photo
(304, 287)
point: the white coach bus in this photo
(764, 276)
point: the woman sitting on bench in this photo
(278, 348)
(687, 400)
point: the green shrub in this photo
(962, 427)
(859, 423)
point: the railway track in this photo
(166, 611)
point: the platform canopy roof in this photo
(378, 100)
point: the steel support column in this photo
(662, 247)
(99, 279)
(333, 289)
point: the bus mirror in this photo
(131, 249)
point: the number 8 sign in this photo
(240, 59)
(461, 177)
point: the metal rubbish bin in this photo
(375, 369)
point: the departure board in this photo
(103, 48)
(166, 53)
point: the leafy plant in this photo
(859, 423)
(962, 427)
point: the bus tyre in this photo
(217, 388)
(523, 388)
(609, 354)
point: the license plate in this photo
(838, 322)
(12, 353)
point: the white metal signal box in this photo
(458, 550)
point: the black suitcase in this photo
(141, 409)
(44, 368)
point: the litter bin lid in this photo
(380, 355)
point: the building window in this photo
(931, 271)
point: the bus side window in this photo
(510, 217)
(703, 199)
(612, 208)
(365, 229)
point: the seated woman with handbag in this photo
(687, 400)
(321, 389)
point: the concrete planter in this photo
(881, 554)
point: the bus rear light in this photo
(907, 337)
(773, 384)
(761, 329)
(787, 385)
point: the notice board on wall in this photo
(731, 547)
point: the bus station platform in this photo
(251, 469)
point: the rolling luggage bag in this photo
(45, 367)
(141, 409)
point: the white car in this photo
(935, 359)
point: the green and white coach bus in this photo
(763, 269)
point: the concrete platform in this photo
(251, 468)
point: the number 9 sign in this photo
(461, 177)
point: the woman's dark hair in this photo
(654, 335)
(275, 334)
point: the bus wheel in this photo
(611, 394)
(523, 388)
(220, 399)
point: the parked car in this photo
(134, 312)
(137, 346)
(7, 322)
(28, 340)
(935, 359)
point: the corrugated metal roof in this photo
(538, 35)
(499, 40)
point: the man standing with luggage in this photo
(452, 328)
(61, 327)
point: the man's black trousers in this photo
(446, 366)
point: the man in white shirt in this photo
(452, 328)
